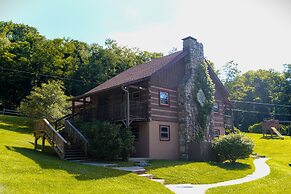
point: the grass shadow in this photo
(81, 171)
(225, 165)
(231, 166)
(271, 138)
(24, 124)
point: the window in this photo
(135, 133)
(216, 107)
(164, 133)
(216, 133)
(164, 98)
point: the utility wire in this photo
(43, 75)
(257, 112)
(260, 103)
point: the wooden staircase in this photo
(67, 142)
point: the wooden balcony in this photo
(117, 112)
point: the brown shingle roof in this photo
(135, 73)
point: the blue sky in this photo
(253, 33)
(88, 20)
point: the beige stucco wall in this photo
(142, 145)
(163, 149)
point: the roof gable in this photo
(145, 70)
(135, 73)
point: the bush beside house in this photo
(232, 147)
(107, 141)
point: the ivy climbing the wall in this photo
(203, 93)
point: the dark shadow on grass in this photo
(226, 165)
(231, 166)
(17, 124)
(271, 138)
(81, 172)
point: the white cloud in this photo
(253, 34)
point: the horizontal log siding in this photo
(163, 113)
(218, 118)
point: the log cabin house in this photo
(145, 97)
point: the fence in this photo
(10, 112)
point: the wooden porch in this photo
(138, 111)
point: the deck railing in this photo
(76, 136)
(54, 138)
(138, 110)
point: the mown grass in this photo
(24, 170)
(176, 172)
(279, 180)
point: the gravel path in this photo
(262, 170)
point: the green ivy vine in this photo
(203, 81)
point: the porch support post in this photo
(84, 103)
(42, 143)
(35, 142)
(127, 106)
(73, 107)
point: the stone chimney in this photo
(194, 48)
(187, 108)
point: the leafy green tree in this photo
(230, 71)
(15, 60)
(284, 90)
(47, 101)
(28, 59)
(216, 71)
(104, 63)
(262, 86)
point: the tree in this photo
(19, 43)
(284, 89)
(47, 101)
(211, 64)
(230, 71)
(261, 86)
(28, 59)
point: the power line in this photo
(43, 75)
(261, 103)
(257, 112)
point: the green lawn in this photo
(24, 170)
(279, 180)
(176, 172)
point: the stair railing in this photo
(59, 123)
(54, 138)
(76, 136)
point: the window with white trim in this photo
(164, 98)
(164, 133)
(216, 107)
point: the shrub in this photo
(232, 147)
(229, 131)
(107, 141)
(285, 129)
(48, 101)
(256, 128)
